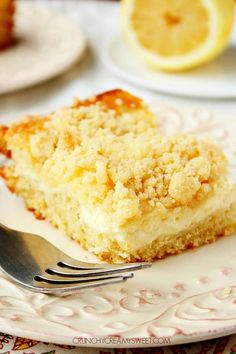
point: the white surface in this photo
(214, 80)
(108, 311)
(46, 45)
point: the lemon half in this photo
(176, 35)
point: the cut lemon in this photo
(177, 34)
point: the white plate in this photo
(214, 80)
(47, 44)
(185, 298)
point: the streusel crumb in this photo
(118, 160)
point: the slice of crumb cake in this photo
(102, 172)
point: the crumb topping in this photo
(116, 158)
(3, 144)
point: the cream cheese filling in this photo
(142, 232)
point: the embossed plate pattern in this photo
(188, 297)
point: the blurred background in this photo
(54, 60)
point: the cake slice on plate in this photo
(103, 173)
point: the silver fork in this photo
(37, 265)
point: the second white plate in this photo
(47, 44)
(214, 80)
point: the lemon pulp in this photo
(177, 34)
